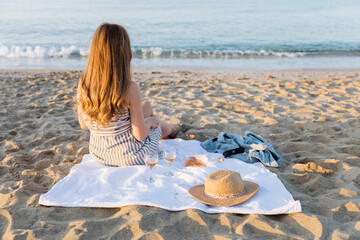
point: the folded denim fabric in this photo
(268, 156)
(256, 148)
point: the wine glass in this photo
(151, 159)
(169, 155)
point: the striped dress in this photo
(114, 145)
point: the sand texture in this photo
(310, 117)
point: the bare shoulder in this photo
(133, 86)
(133, 91)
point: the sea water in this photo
(205, 34)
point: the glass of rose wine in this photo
(151, 159)
(169, 155)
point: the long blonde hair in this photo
(103, 86)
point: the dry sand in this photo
(311, 118)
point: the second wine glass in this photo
(169, 155)
(151, 159)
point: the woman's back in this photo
(115, 145)
(119, 125)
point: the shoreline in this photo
(201, 71)
(311, 117)
(197, 64)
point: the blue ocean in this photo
(187, 34)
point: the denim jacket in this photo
(255, 148)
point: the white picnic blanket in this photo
(90, 184)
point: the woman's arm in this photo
(140, 126)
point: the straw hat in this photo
(224, 189)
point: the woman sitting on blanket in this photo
(122, 127)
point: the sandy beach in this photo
(310, 117)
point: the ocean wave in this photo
(16, 51)
(184, 53)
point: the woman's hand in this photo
(152, 122)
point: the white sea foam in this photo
(16, 51)
(187, 53)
